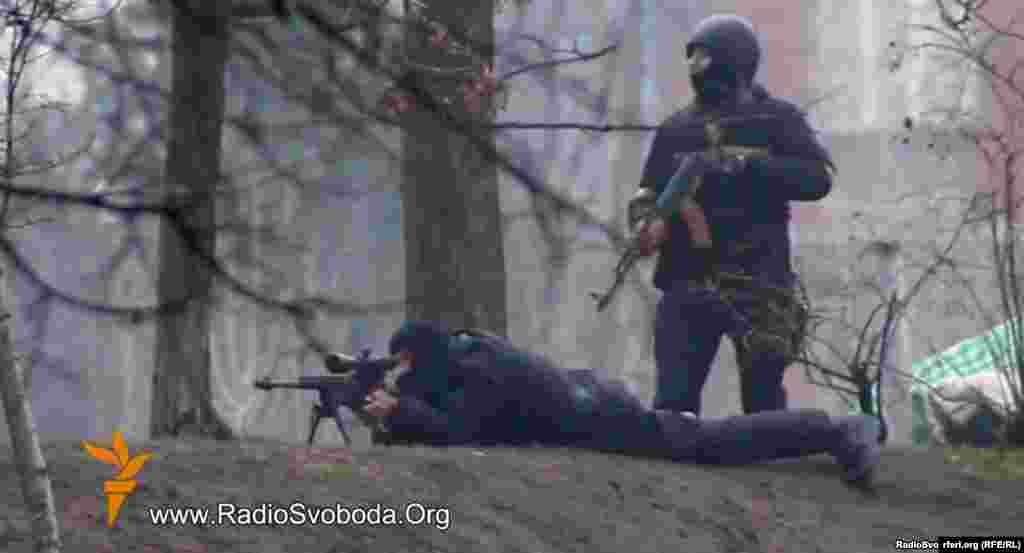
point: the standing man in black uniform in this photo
(740, 282)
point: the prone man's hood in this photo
(430, 345)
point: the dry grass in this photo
(990, 464)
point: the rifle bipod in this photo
(318, 413)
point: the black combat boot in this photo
(858, 450)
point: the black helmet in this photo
(732, 43)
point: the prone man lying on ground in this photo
(470, 387)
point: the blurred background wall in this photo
(93, 374)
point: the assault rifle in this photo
(352, 379)
(680, 193)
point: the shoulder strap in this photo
(500, 355)
(467, 341)
(477, 333)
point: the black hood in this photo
(421, 338)
(732, 43)
(430, 345)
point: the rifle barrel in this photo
(289, 385)
(305, 382)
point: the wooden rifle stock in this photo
(680, 193)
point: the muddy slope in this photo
(511, 500)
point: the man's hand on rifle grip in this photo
(650, 235)
(380, 404)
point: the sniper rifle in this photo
(352, 379)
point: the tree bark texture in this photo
(455, 259)
(28, 452)
(183, 378)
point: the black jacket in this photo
(498, 394)
(748, 213)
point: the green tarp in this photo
(980, 354)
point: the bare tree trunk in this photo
(182, 381)
(28, 453)
(455, 260)
(36, 488)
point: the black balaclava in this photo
(734, 53)
(430, 346)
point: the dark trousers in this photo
(746, 439)
(763, 321)
(738, 440)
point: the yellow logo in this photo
(123, 483)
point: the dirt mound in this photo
(516, 500)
